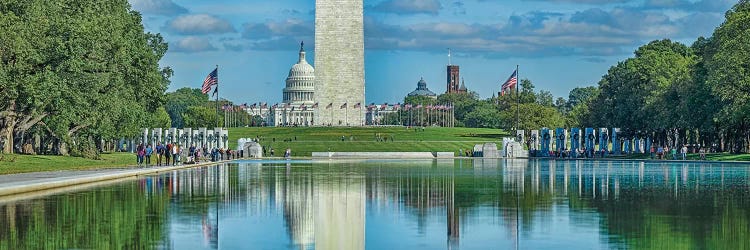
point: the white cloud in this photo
(192, 44)
(198, 24)
(158, 7)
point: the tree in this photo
(200, 116)
(179, 101)
(727, 63)
(640, 92)
(463, 103)
(80, 70)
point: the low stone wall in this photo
(382, 155)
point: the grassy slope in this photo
(321, 139)
(11, 164)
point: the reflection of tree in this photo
(125, 216)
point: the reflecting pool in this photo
(397, 204)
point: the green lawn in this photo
(304, 141)
(17, 163)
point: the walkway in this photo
(29, 182)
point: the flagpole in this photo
(217, 95)
(518, 100)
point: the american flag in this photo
(275, 106)
(407, 107)
(303, 107)
(510, 83)
(382, 107)
(397, 106)
(344, 106)
(419, 106)
(315, 105)
(330, 105)
(211, 80)
(358, 105)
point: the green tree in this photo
(81, 70)
(179, 101)
(201, 116)
(727, 65)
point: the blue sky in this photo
(559, 44)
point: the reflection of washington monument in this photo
(325, 211)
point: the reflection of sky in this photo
(416, 205)
(396, 220)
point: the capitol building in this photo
(297, 107)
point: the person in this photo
(191, 153)
(653, 150)
(674, 153)
(702, 153)
(159, 153)
(287, 153)
(175, 154)
(167, 153)
(271, 152)
(149, 151)
(684, 152)
(659, 152)
(140, 153)
(124, 147)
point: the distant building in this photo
(422, 90)
(297, 107)
(462, 89)
(452, 84)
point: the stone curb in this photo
(58, 182)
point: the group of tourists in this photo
(171, 154)
(664, 152)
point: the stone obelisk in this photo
(339, 62)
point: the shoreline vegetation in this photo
(303, 141)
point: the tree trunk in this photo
(6, 134)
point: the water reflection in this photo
(446, 204)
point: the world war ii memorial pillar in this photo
(575, 141)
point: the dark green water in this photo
(378, 204)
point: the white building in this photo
(298, 106)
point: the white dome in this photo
(302, 69)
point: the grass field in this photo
(17, 163)
(304, 141)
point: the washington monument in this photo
(339, 62)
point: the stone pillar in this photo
(546, 146)
(575, 141)
(604, 139)
(534, 140)
(202, 137)
(188, 137)
(560, 139)
(225, 138)
(210, 139)
(520, 136)
(155, 136)
(195, 140)
(144, 137)
(616, 144)
(590, 140)
(173, 136)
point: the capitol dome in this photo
(422, 90)
(300, 83)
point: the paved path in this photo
(30, 182)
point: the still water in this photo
(406, 204)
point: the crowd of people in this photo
(174, 154)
